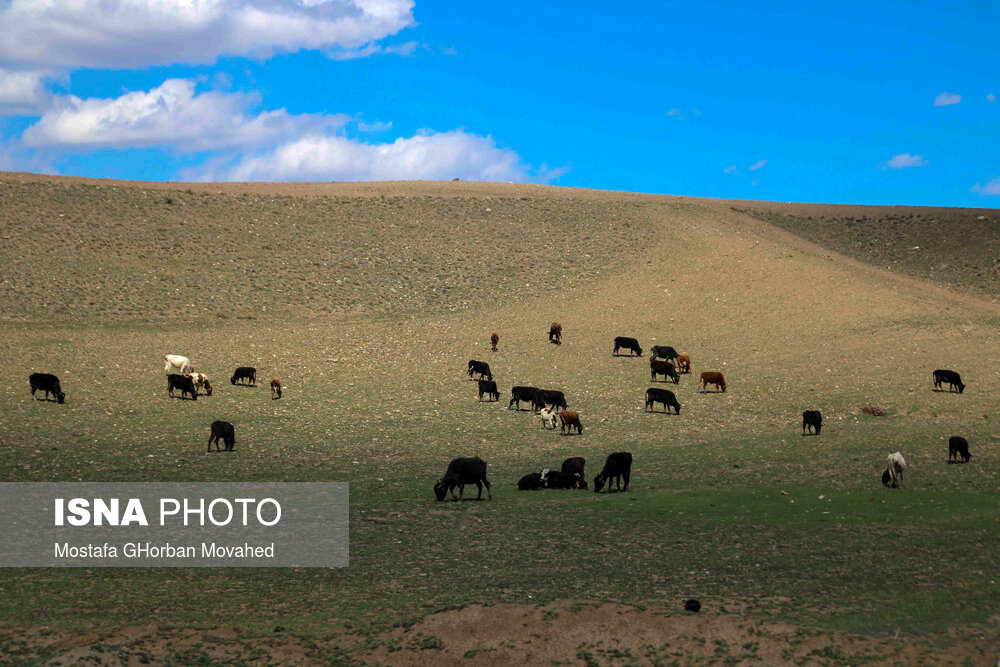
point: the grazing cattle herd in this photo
(550, 405)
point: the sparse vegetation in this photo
(727, 501)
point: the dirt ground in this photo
(562, 633)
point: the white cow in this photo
(182, 364)
(548, 417)
(894, 466)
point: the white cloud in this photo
(991, 188)
(682, 114)
(377, 126)
(425, 156)
(945, 99)
(138, 33)
(757, 165)
(406, 49)
(903, 161)
(991, 98)
(547, 174)
(171, 115)
(22, 92)
(732, 169)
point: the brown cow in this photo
(275, 389)
(494, 339)
(683, 363)
(569, 419)
(555, 333)
(712, 377)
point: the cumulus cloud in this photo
(757, 165)
(945, 99)
(171, 115)
(425, 156)
(989, 189)
(22, 92)
(903, 161)
(138, 33)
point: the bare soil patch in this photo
(560, 633)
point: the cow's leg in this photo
(479, 487)
(489, 493)
(627, 475)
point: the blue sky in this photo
(874, 103)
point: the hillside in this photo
(772, 531)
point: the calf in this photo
(958, 447)
(275, 389)
(494, 339)
(518, 394)
(664, 368)
(544, 397)
(489, 388)
(656, 395)
(222, 431)
(248, 373)
(548, 418)
(570, 419)
(48, 383)
(461, 472)
(812, 420)
(683, 363)
(531, 482)
(201, 382)
(182, 382)
(480, 367)
(893, 473)
(555, 333)
(664, 351)
(624, 342)
(712, 377)
(176, 362)
(951, 377)
(616, 467)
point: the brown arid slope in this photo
(729, 502)
(565, 633)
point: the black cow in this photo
(545, 397)
(531, 482)
(628, 344)
(555, 479)
(480, 367)
(184, 383)
(664, 351)
(812, 420)
(222, 431)
(574, 465)
(656, 395)
(488, 387)
(664, 368)
(617, 466)
(958, 446)
(244, 373)
(518, 394)
(48, 383)
(951, 377)
(461, 472)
